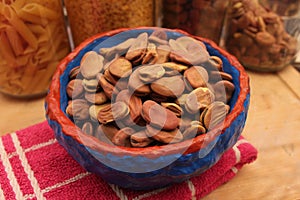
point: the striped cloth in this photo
(34, 166)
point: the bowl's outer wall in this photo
(186, 166)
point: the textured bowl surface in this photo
(179, 161)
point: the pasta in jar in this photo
(33, 40)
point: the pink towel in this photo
(34, 166)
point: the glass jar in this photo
(204, 18)
(89, 17)
(282, 7)
(258, 37)
(289, 10)
(33, 39)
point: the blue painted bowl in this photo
(151, 167)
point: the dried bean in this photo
(164, 101)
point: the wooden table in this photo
(273, 127)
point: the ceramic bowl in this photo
(150, 167)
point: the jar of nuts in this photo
(282, 7)
(289, 10)
(258, 36)
(199, 17)
(89, 17)
(33, 39)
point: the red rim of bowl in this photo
(189, 146)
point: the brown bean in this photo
(175, 66)
(91, 64)
(175, 108)
(151, 73)
(107, 87)
(151, 55)
(216, 62)
(140, 139)
(134, 103)
(136, 85)
(113, 112)
(163, 52)
(97, 98)
(120, 67)
(94, 110)
(106, 132)
(188, 50)
(224, 90)
(74, 72)
(214, 114)
(88, 128)
(75, 88)
(78, 109)
(215, 76)
(199, 99)
(119, 49)
(90, 85)
(122, 137)
(110, 78)
(159, 116)
(194, 128)
(138, 48)
(197, 76)
(168, 86)
(166, 137)
(159, 37)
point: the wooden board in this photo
(273, 127)
(17, 114)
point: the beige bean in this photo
(91, 64)
(140, 139)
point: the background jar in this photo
(289, 10)
(258, 36)
(282, 7)
(33, 40)
(204, 18)
(90, 17)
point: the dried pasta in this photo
(14, 40)
(33, 40)
(5, 49)
(36, 10)
(27, 17)
(37, 29)
(20, 26)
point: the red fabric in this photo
(34, 166)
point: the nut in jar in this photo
(199, 17)
(257, 37)
(282, 7)
(33, 40)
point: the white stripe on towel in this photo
(34, 147)
(193, 190)
(237, 151)
(1, 193)
(34, 183)
(9, 171)
(118, 191)
(57, 185)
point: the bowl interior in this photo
(172, 151)
(109, 41)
